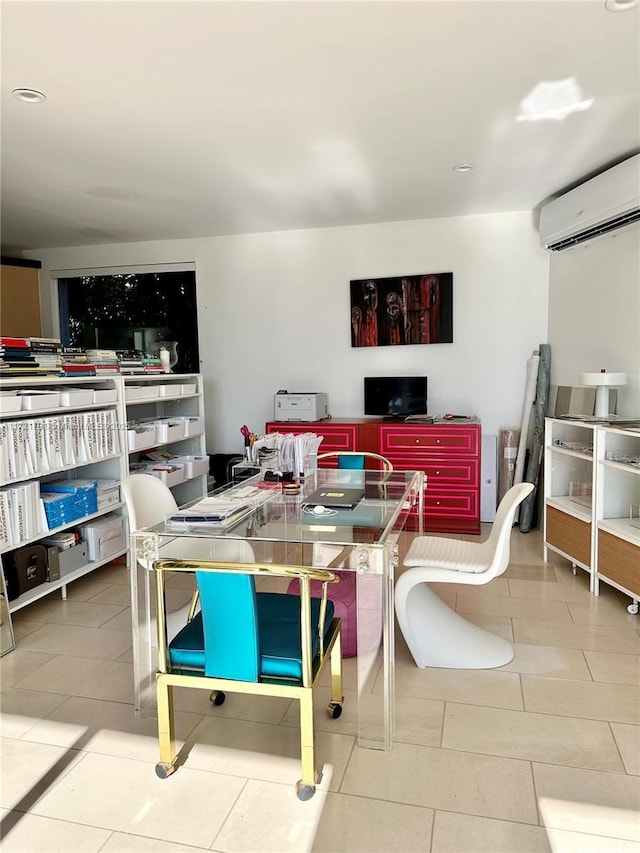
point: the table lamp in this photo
(603, 381)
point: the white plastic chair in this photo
(436, 635)
(149, 501)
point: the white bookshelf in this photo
(104, 460)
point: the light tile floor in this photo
(540, 755)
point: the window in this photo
(131, 310)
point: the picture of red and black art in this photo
(413, 309)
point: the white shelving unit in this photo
(166, 397)
(568, 518)
(618, 538)
(112, 466)
(591, 483)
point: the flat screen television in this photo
(395, 396)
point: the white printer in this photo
(300, 407)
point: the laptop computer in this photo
(335, 497)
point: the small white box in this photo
(10, 402)
(108, 493)
(193, 425)
(76, 397)
(169, 429)
(140, 392)
(188, 388)
(194, 466)
(40, 399)
(165, 473)
(105, 395)
(141, 436)
(170, 390)
(104, 536)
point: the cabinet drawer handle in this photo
(437, 441)
(437, 503)
(417, 441)
(437, 472)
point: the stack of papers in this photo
(216, 511)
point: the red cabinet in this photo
(449, 454)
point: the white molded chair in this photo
(435, 634)
(149, 501)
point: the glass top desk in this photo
(281, 529)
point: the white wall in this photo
(274, 313)
(594, 313)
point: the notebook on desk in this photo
(335, 497)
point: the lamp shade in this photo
(602, 382)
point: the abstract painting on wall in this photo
(413, 309)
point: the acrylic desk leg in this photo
(375, 648)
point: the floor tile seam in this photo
(507, 820)
(230, 811)
(573, 716)
(460, 701)
(64, 820)
(270, 724)
(617, 745)
(581, 682)
(547, 714)
(574, 765)
(73, 654)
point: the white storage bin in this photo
(76, 397)
(140, 392)
(170, 429)
(194, 466)
(193, 425)
(173, 390)
(39, 399)
(163, 472)
(188, 388)
(105, 395)
(141, 436)
(10, 402)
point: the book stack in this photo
(48, 353)
(131, 363)
(16, 358)
(76, 363)
(152, 364)
(105, 361)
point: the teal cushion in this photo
(279, 629)
(351, 462)
(279, 632)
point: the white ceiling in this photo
(184, 119)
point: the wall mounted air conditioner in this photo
(606, 203)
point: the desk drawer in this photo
(450, 504)
(429, 440)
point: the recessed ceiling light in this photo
(463, 167)
(29, 96)
(620, 5)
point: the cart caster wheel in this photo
(304, 791)
(334, 710)
(632, 609)
(163, 771)
(217, 697)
